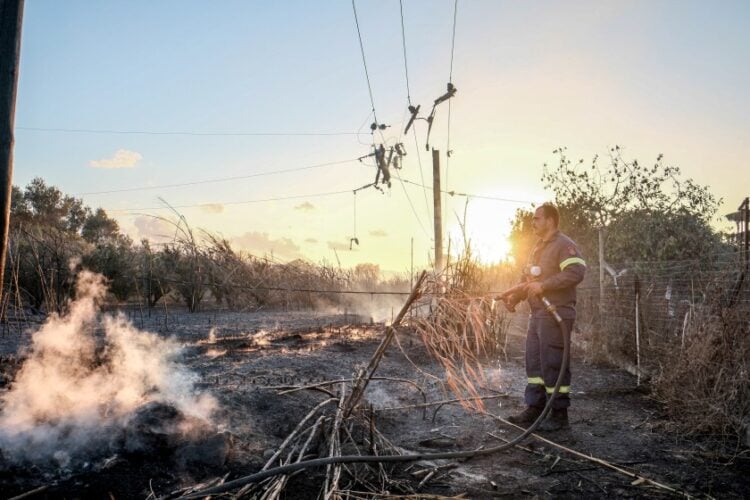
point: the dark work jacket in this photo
(562, 268)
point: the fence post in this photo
(746, 234)
(597, 332)
(637, 286)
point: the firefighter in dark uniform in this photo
(554, 269)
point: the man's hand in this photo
(535, 288)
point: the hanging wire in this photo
(453, 39)
(403, 186)
(374, 114)
(403, 43)
(359, 130)
(364, 61)
(219, 179)
(470, 195)
(180, 132)
(421, 174)
(449, 153)
(355, 215)
(262, 200)
(408, 97)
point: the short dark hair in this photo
(550, 212)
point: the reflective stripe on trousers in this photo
(544, 350)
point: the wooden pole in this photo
(436, 192)
(11, 14)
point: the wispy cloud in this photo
(262, 243)
(212, 208)
(378, 233)
(305, 207)
(122, 158)
(310, 240)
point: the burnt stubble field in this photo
(266, 370)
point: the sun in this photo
(487, 226)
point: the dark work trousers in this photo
(544, 355)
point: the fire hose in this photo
(318, 462)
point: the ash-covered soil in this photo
(246, 359)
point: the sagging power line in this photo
(471, 195)
(220, 179)
(449, 151)
(450, 88)
(384, 161)
(181, 132)
(206, 204)
(383, 175)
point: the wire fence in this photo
(642, 308)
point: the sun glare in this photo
(487, 228)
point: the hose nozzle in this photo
(551, 309)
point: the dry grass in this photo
(462, 326)
(705, 383)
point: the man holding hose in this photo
(554, 269)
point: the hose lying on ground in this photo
(318, 462)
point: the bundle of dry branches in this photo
(461, 332)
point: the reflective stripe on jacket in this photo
(562, 268)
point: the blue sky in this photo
(655, 77)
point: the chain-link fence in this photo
(683, 324)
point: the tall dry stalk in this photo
(461, 332)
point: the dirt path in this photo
(241, 358)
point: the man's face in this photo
(540, 223)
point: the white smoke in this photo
(75, 387)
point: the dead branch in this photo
(364, 377)
(441, 403)
(636, 477)
(295, 432)
(30, 493)
(334, 448)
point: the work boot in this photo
(556, 420)
(526, 417)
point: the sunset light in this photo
(359, 249)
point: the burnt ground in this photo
(251, 355)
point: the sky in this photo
(118, 101)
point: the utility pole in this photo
(436, 192)
(11, 14)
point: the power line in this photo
(364, 61)
(421, 173)
(182, 132)
(453, 39)
(403, 42)
(219, 179)
(374, 114)
(280, 198)
(413, 210)
(469, 195)
(450, 81)
(408, 97)
(416, 143)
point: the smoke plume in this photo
(85, 377)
